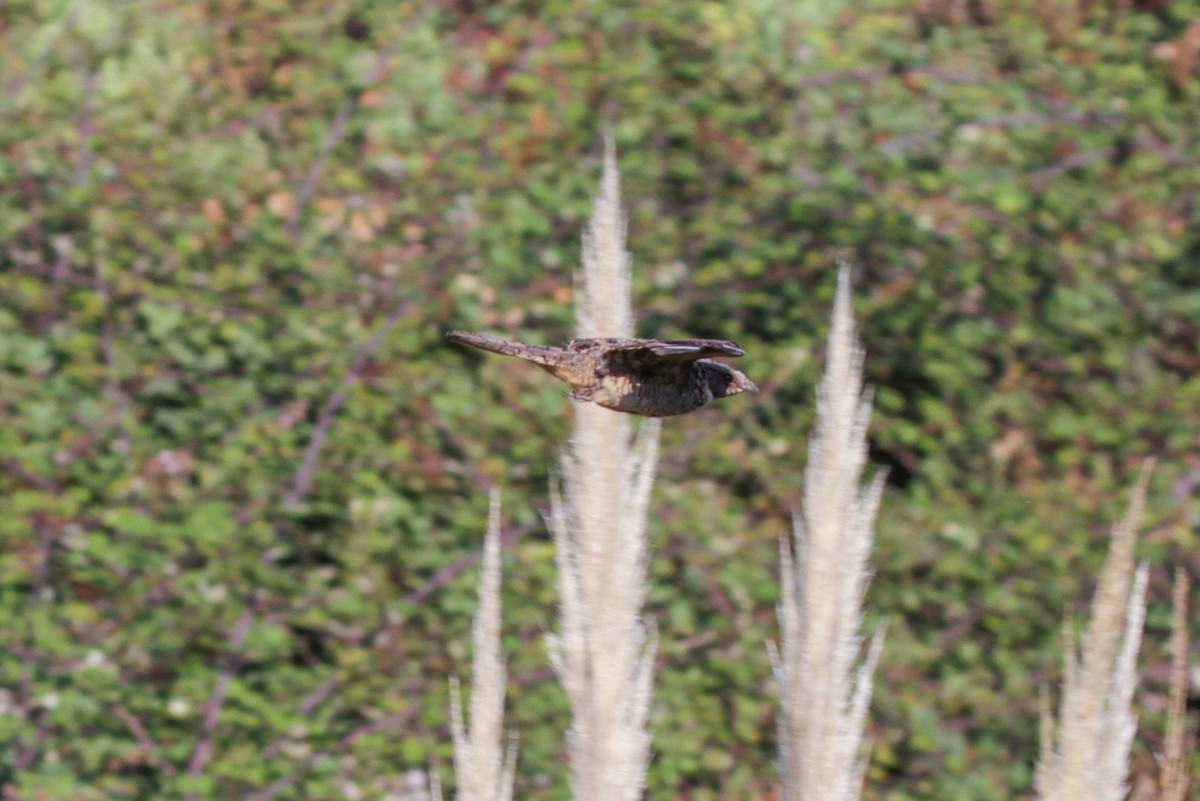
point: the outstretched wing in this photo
(687, 349)
(650, 352)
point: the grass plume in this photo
(603, 653)
(483, 766)
(1173, 768)
(824, 679)
(1086, 754)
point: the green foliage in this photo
(208, 211)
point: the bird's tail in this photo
(538, 354)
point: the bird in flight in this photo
(649, 377)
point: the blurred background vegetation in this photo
(245, 479)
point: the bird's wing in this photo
(651, 351)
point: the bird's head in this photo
(724, 380)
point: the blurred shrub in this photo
(209, 209)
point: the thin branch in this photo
(118, 400)
(212, 708)
(86, 128)
(142, 735)
(341, 120)
(334, 135)
(284, 782)
(302, 483)
(305, 709)
(13, 91)
(319, 695)
(1074, 161)
(1022, 119)
(25, 693)
(450, 572)
(1187, 484)
(1088, 157)
(15, 468)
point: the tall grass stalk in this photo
(1086, 755)
(824, 679)
(604, 650)
(1173, 767)
(483, 767)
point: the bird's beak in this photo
(751, 387)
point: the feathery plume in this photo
(1086, 755)
(483, 767)
(824, 680)
(604, 650)
(1173, 762)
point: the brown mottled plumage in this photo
(650, 377)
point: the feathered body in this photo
(648, 377)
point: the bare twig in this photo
(212, 708)
(318, 696)
(451, 571)
(302, 484)
(337, 128)
(1187, 484)
(41, 581)
(334, 135)
(1103, 154)
(1023, 119)
(1074, 161)
(439, 579)
(142, 735)
(306, 708)
(86, 127)
(15, 468)
(13, 91)
(279, 785)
